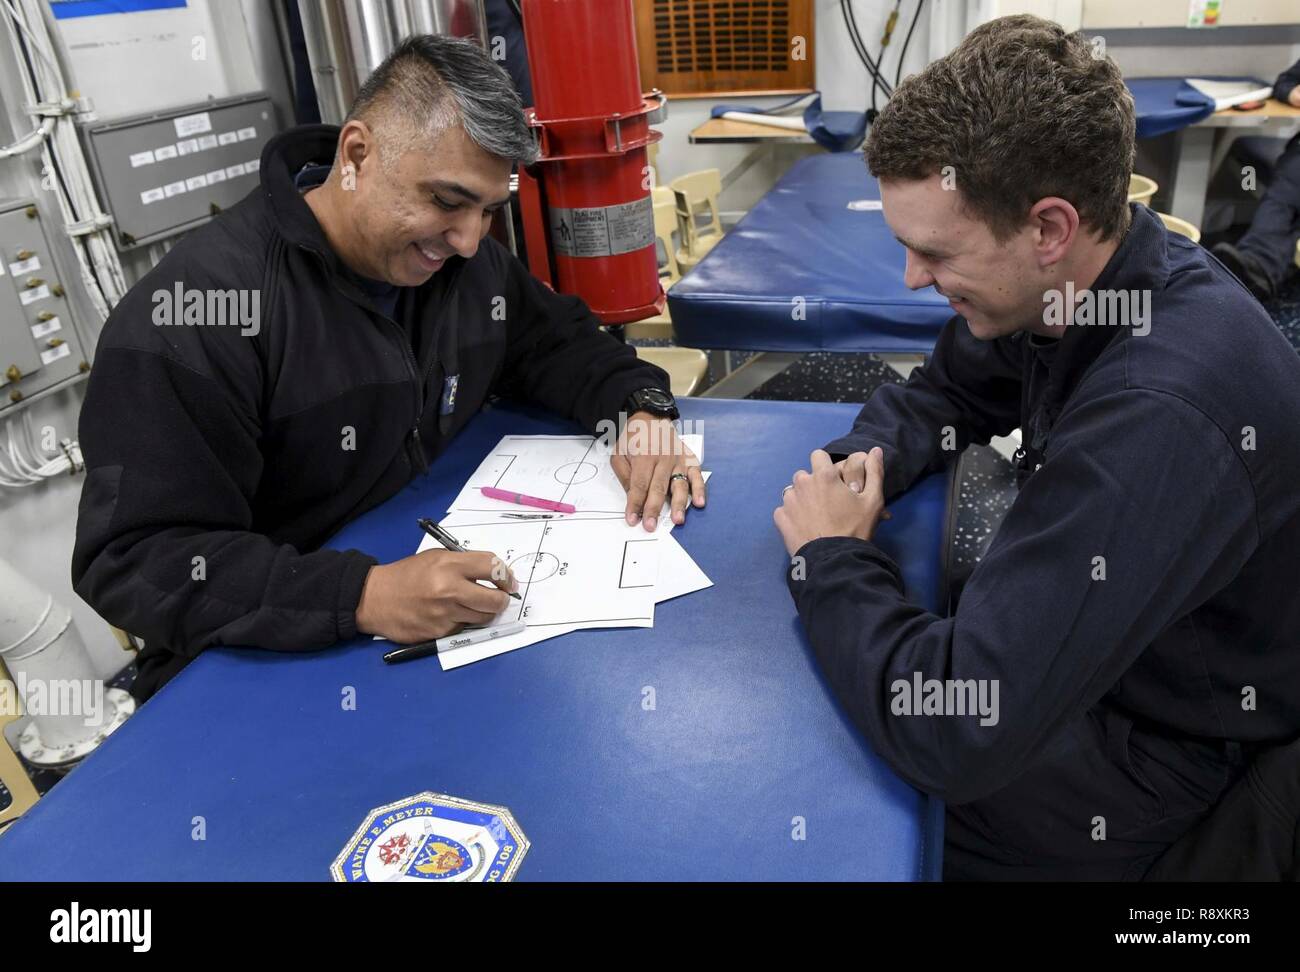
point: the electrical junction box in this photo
(39, 346)
(164, 173)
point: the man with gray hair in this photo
(219, 459)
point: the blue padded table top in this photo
(744, 736)
(802, 240)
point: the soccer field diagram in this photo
(571, 469)
(567, 469)
(569, 571)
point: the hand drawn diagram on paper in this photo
(583, 570)
(593, 572)
(678, 575)
(566, 468)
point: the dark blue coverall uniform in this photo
(1137, 607)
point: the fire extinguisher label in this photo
(600, 231)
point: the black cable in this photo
(875, 80)
(898, 75)
(876, 65)
(853, 37)
(884, 42)
(848, 29)
(878, 81)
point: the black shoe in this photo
(1246, 269)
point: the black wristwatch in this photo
(656, 401)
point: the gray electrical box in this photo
(167, 172)
(39, 347)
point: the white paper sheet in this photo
(1227, 94)
(570, 570)
(678, 575)
(566, 468)
(583, 570)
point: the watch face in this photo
(652, 396)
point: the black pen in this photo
(448, 541)
(408, 652)
(470, 636)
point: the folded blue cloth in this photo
(835, 131)
(1168, 104)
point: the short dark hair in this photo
(431, 81)
(1021, 110)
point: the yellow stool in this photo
(686, 367)
(662, 194)
(13, 775)
(1141, 189)
(665, 210)
(697, 196)
(1181, 226)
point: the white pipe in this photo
(370, 35)
(29, 141)
(775, 121)
(41, 647)
(333, 75)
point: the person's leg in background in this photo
(1260, 258)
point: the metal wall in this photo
(347, 39)
(243, 54)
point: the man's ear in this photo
(1056, 225)
(357, 146)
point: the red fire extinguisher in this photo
(586, 209)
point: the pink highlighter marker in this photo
(522, 500)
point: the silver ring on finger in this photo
(682, 476)
(786, 490)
